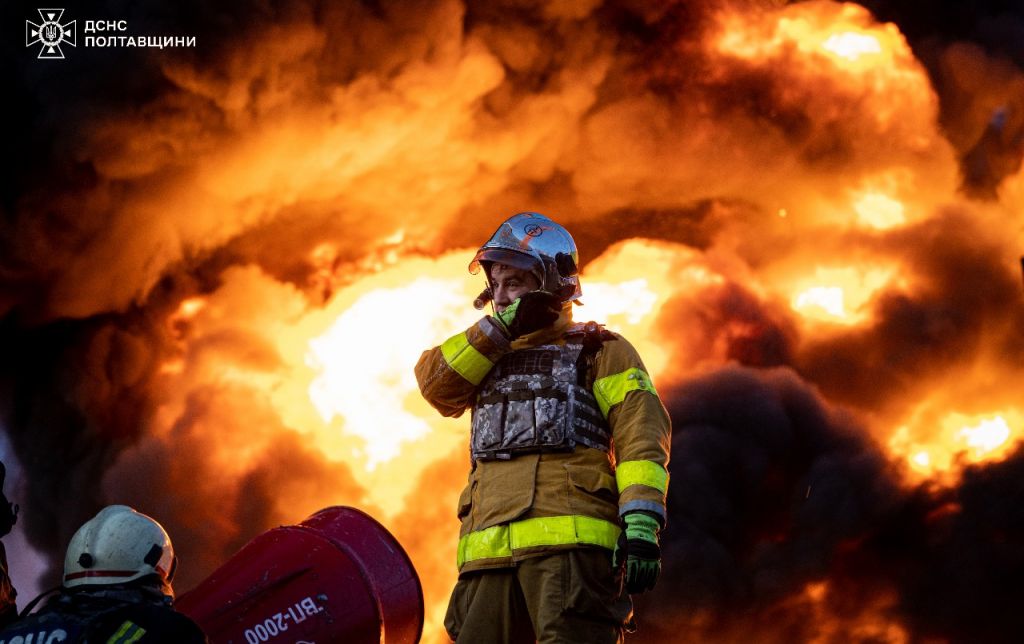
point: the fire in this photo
(852, 45)
(838, 46)
(363, 360)
(364, 386)
(794, 147)
(177, 325)
(870, 621)
(627, 286)
(846, 35)
(985, 437)
(879, 211)
(190, 307)
(839, 295)
(961, 439)
(826, 300)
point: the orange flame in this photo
(961, 439)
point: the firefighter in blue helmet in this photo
(569, 445)
(117, 588)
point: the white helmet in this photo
(532, 242)
(119, 545)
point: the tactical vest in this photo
(537, 400)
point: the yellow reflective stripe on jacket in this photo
(502, 540)
(465, 359)
(128, 633)
(611, 390)
(646, 473)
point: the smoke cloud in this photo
(782, 513)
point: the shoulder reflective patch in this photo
(128, 632)
(646, 473)
(611, 390)
(465, 359)
(502, 540)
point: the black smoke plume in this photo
(787, 524)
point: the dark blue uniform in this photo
(105, 615)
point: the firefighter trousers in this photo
(569, 596)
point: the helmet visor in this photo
(511, 258)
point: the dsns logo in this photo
(50, 34)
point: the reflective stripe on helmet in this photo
(611, 390)
(465, 359)
(646, 473)
(502, 540)
(100, 573)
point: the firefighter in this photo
(117, 588)
(8, 517)
(569, 445)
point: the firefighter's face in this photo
(509, 283)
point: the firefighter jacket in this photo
(112, 614)
(533, 503)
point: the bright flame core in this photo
(879, 211)
(363, 385)
(839, 295)
(962, 439)
(844, 34)
(826, 300)
(984, 437)
(852, 45)
(360, 362)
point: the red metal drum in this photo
(339, 576)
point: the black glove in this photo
(532, 311)
(8, 510)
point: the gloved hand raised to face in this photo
(532, 311)
(638, 549)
